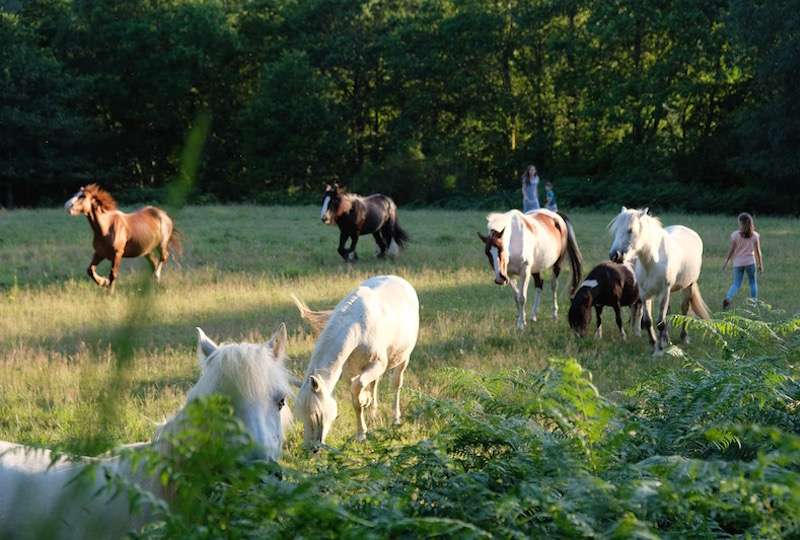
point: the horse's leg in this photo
(164, 248)
(637, 310)
(648, 321)
(538, 284)
(352, 255)
(398, 384)
(661, 324)
(373, 407)
(381, 246)
(598, 309)
(554, 288)
(115, 265)
(521, 295)
(618, 315)
(154, 263)
(358, 386)
(92, 271)
(341, 250)
(685, 304)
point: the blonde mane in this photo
(104, 199)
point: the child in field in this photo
(746, 253)
(550, 197)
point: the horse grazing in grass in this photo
(527, 244)
(43, 496)
(667, 260)
(608, 284)
(372, 330)
(356, 215)
(118, 234)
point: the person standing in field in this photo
(550, 197)
(530, 189)
(746, 254)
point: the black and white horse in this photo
(356, 215)
(608, 284)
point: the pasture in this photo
(234, 279)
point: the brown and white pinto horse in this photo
(118, 235)
(356, 215)
(527, 244)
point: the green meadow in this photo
(239, 265)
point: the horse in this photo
(118, 234)
(370, 331)
(44, 495)
(608, 284)
(356, 215)
(667, 260)
(527, 244)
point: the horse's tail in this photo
(317, 319)
(399, 236)
(574, 252)
(697, 303)
(175, 243)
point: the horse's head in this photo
(256, 381)
(317, 408)
(331, 199)
(88, 198)
(580, 310)
(627, 230)
(497, 255)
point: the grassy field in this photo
(234, 279)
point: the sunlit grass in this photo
(234, 280)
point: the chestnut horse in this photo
(118, 235)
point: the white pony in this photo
(667, 260)
(43, 497)
(526, 245)
(373, 329)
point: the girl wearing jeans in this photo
(746, 253)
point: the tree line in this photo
(683, 103)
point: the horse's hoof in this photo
(361, 437)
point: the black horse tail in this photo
(399, 236)
(574, 252)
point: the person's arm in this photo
(524, 195)
(729, 255)
(759, 257)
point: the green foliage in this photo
(711, 450)
(683, 103)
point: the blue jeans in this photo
(738, 277)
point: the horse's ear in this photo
(624, 208)
(205, 346)
(317, 384)
(483, 237)
(644, 212)
(501, 231)
(277, 343)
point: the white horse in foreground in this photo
(373, 329)
(667, 260)
(43, 498)
(526, 245)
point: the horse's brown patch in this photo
(550, 224)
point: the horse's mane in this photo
(497, 221)
(648, 221)
(104, 199)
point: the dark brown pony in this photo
(118, 235)
(356, 215)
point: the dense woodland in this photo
(683, 103)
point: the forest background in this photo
(681, 104)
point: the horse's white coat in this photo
(45, 498)
(373, 329)
(325, 202)
(526, 253)
(667, 260)
(591, 283)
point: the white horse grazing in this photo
(45, 498)
(526, 245)
(667, 260)
(373, 329)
